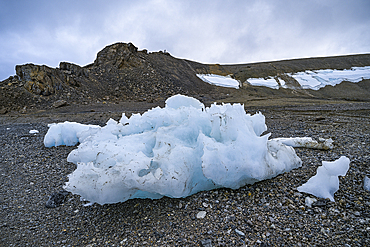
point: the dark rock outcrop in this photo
(40, 80)
(118, 56)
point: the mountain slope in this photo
(121, 73)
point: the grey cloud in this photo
(238, 31)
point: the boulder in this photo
(3, 110)
(59, 103)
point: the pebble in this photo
(309, 201)
(239, 232)
(206, 243)
(201, 214)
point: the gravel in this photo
(268, 213)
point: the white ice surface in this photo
(174, 151)
(218, 80)
(67, 133)
(317, 79)
(34, 131)
(326, 182)
(320, 78)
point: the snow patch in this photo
(316, 79)
(320, 78)
(268, 82)
(218, 80)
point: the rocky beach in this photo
(268, 213)
(123, 79)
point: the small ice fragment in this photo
(34, 131)
(326, 182)
(308, 201)
(367, 183)
(7, 128)
(307, 142)
(201, 214)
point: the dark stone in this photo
(158, 235)
(56, 199)
(265, 244)
(206, 243)
(3, 110)
(320, 203)
(319, 119)
(59, 103)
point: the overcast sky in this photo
(239, 31)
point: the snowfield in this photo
(314, 80)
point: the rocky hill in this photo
(122, 73)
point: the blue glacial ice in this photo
(174, 151)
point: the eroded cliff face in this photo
(41, 80)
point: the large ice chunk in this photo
(326, 182)
(174, 151)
